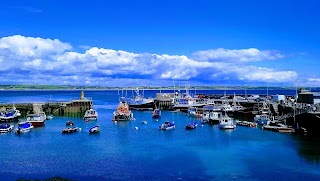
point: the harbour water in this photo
(119, 152)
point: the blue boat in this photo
(94, 129)
(191, 125)
(5, 128)
(167, 125)
(24, 127)
(156, 113)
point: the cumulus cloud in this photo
(47, 61)
(243, 55)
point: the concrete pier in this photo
(73, 108)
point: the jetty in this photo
(73, 108)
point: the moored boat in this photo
(10, 115)
(122, 113)
(36, 120)
(70, 130)
(49, 117)
(139, 102)
(69, 123)
(226, 123)
(95, 129)
(24, 128)
(262, 119)
(167, 125)
(156, 113)
(191, 125)
(5, 128)
(90, 114)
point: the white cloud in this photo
(34, 60)
(32, 47)
(243, 55)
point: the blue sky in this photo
(119, 43)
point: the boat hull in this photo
(37, 123)
(6, 130)
(227, 126)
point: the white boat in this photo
(23, 128)
(193, 112)
(167, 126)
(227, 123)
(10, 115)
(95, 129)
(49, 117)
(36, 120)
(5, 128)
(90, 114)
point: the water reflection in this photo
(309, 148)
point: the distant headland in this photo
(76, 87)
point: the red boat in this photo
(36, 120)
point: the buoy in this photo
(136, 128)
(86, 120)
(115, 122)
(80, 129)
(157, 120)
(202, 125)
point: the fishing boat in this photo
(139, 102)
(191, 125)
(122, 113)
(95, 129)
(69, 123)
(262, 119)
(70, 130)
(10, 115)
(226, 122)
(193, 112)
(24, 128)
(156, 113)
(167, 125)
(5, 128)
(90, 114)
(36, 120)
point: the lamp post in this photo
(267, 90)
(309, 86)
(245, 91)
(296, 97)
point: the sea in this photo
(121, 152)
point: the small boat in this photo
(70, 130)
(49, 117)
(204, 121)
(10, 115)
(191, 125)
(5, 128)
(24, 128)
(36, 119)
(262, 119)
(90, 114)
(193, 112)
(227, 123)
(174, 111)
(94, 129)
(69, 123)
(167, 125)
(156, 113)
(144, 122)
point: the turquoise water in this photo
(119, 152)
